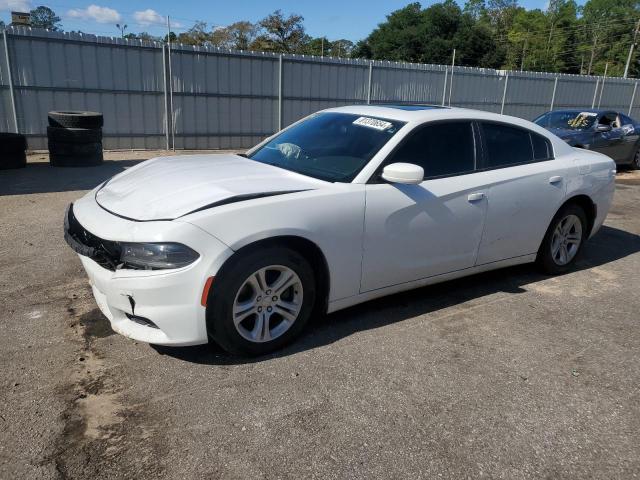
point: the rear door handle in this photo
(475, 197)
(556, 179)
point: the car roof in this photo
(588, 110)
(417, 113)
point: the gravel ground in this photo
(508, 374)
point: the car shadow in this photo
(608, 245)
(40, 177)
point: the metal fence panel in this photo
(231, 99)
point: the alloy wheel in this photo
(267, 303)
(566, 240)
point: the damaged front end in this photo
(105, 253)
(114, 255)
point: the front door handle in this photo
(475, 197)
(555, 180)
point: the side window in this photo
(506, 145)
(625, 120)
(445, 148)
(541, 147)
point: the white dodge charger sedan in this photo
(346, 205)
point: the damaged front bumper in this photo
(155, 306)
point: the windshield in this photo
(568, 120)
(328, 146)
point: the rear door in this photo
(610, 143)
(631, 136)
(527, 188)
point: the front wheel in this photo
(563, 241)
(261, 300)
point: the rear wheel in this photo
(635, 162)
(261, 301)
(563, 241)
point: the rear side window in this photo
(506, 145)
(541, 147)
(443, 148)
(625, 120)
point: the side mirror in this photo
(406, 173)
(603, 128)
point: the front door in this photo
(417, 231)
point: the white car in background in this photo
(344, 206)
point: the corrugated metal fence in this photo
(220, 99)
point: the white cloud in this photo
(148, 17)
(96, 13)
(15, 5)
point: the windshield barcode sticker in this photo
(373, 123)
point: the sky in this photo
(350, 19)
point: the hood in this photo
(169, 187)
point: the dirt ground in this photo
(509, 374)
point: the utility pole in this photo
(606, 66)
(453, 62)
(524, 50)
(593, 48)
(322, 48)
(633, 44)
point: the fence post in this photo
(633, 97)
(280, 92)
(10, 77)
(369, 88)
(444, 88)
(553, 95)
(504, 94)
(173, 119)
(595, 93)
(166, 97)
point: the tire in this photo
(74, 135)
(89, 160)
(232, 284)
(635, 161)
(76, 119)
(74, 149)
(13, 160)
(12, 143)
(550, 259)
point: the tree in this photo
(144, 36)
(281, 34)
(340, 48)
(430, 35)
(242, 34)
(196, 35)
(2, 25)
(44, 17)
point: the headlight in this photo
(151, 256)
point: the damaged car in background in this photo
(611, 133)
(346, 205)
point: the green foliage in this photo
(498, 33)
(565, 37)
(44, 17)
(430, 35)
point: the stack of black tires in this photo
(13, 148)
(75, 139)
